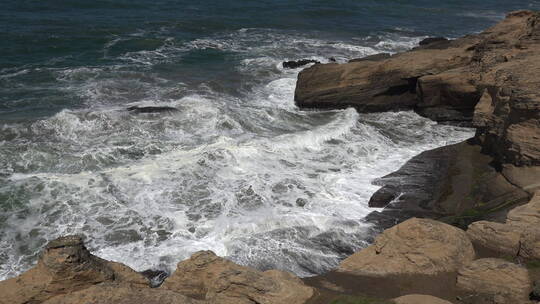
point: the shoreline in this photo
(485, 186)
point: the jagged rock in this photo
(496, 237)
(207, 276)
(419, 299)
(65, 266)
(294, 64)
(416, 246)
(122, 294)
(500, 280)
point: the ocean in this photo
(239, 169)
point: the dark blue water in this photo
(239, 169)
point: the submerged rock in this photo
(217, 280)
(432, 40)
(151, 109)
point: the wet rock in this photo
(294, 64)
(217, 280)
(376, 57)
(65, 266)
(416, 246)
(301, 202)
(151, 109)
(500, 280)
(122, 294)
(432, 40)
(419, 299)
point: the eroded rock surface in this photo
(416, 246)
(217, 280)
(419, 299)
(65, 266)
(499, 280)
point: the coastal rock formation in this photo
(294, 64)
(217, 280)
(416, 246)
(419, 299)
(489, 79)
(498, 280)
(65, 266)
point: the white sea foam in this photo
(249, 176)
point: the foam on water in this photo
(246, 174)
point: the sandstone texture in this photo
(499, 280)
(65, 266)
(217, 280)
(416, 246)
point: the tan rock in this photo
(122, 294)
(207, 276)
(530, 243)
(416, 246)
(503, 281)
(498, 237)
(419, 299)
(528, 214)
(527, 177)
(65, 266)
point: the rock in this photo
(528, 214)
(122, 294)
(497, 237)
(301, 202)
(502, 281)
(492, 74)
(416, 246)
(376, 57)
(294, 64)
(432, 40)
(530, 243)
(526, 177)
(207, 276)
(151, 109)
(455, 183)
(447, 97)
(65, 266)
(419, 299)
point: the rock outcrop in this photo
(416, 246)
(217, 280)
(65, 266)
(496, 280)
(489, 79)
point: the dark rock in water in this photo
(155, 276)
(301, 202)
(293, 64)
(455, 184)
(151, 109)
(332, 59)
(432, 40)
(376, 57)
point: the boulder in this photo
(209, 277)
(419, 299)
(432, 40)
(499, 280)
(416, 246)
(65, 266)
(528, 214)
(122, 294)
(497, 237)
(530, 243)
